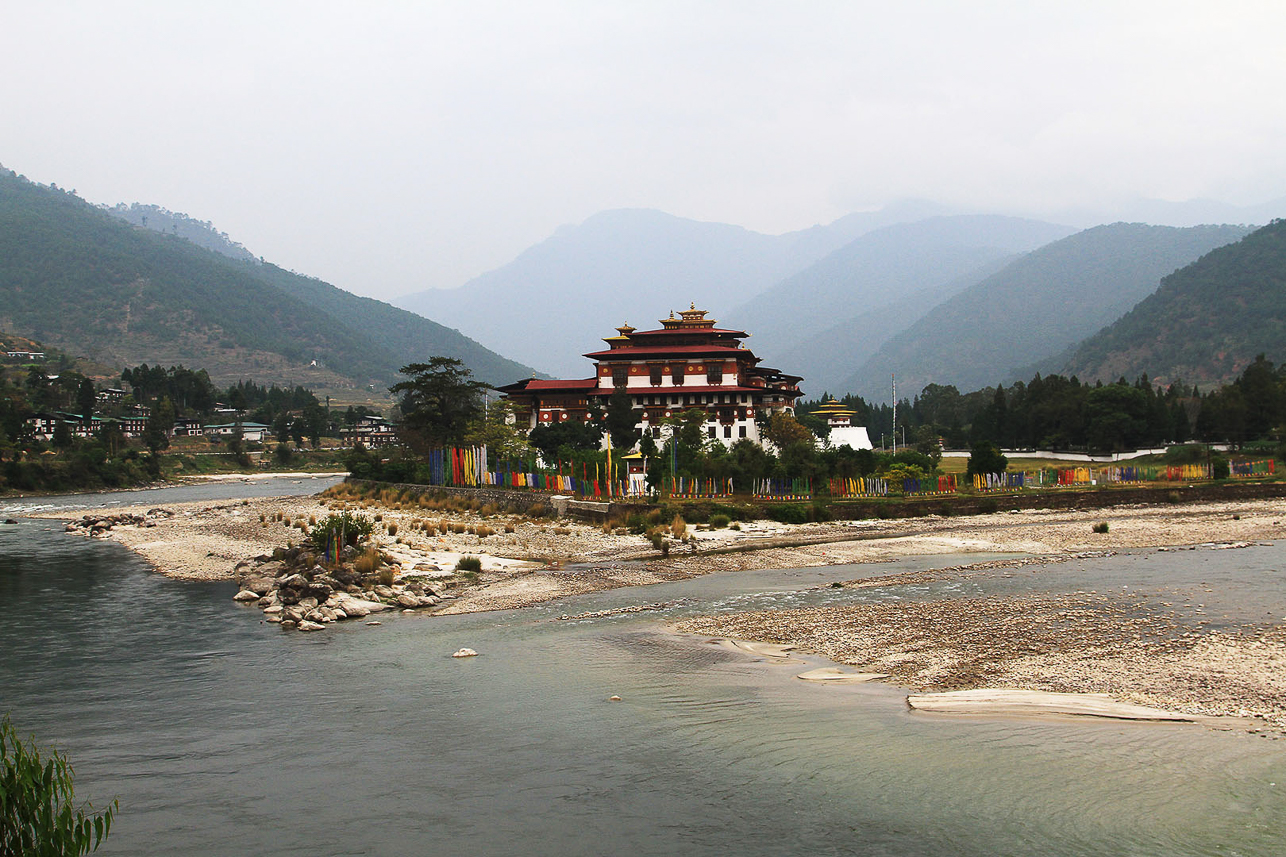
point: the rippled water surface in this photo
(224, 735)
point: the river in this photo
(222, 734)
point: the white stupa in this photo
(840, 420)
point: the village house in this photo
(254, 432)
(688, 363)
(371, 432)
(187, 427)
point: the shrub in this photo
(1220, 468)
(386, 575)
(988, 505)
(392, 529)
(38, 809)
(368, 562)
(678, 527)
(719, 521)
(1174, 497)
(349, 529)
(1189, 453)
(735, 526)
(1100, 527)
(787, 513)
(469, 563)
(509, 528)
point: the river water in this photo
(224, 735)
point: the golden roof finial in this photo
(692, 305)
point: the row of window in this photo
(711, 431)
(678, 371)
(697, 399)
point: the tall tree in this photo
(439, 401)
(621, 420)
(85, 399)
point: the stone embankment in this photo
(296, 591)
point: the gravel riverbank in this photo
(1082, 642)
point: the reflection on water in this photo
(223, 735)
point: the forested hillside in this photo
(75, 277)
(910, 266)
(1205, 322)
(1036, 307)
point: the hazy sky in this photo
(391, 147)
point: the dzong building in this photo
(688, 363)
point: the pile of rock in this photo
(98, 525)
(294, 590)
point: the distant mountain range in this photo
(823, 321)
(79, 278)
(933, 294)
(1034, 307)
(1204, 324)
(556, 300)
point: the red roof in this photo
(686, 330)
(663, 350)
(685, 389)
(579, 385)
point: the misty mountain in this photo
(1035, 307)
(557, 299)
(80, 279)
(827, 358)
(200, 232)
(1205, 323)
(1192, 212)
(897, 272)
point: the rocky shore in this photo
(1149, 649)
(294, 590)
(1070, 643)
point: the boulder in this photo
(465, 653)
(246, 595)
(319, 591)
(270, 569)
(294, 613)
(328, 615)
(272, 618)
(262, 585)
(294, 581)
(274, 610)
(308, 603)
(310, 626)
(408, 600)
(385, 592)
